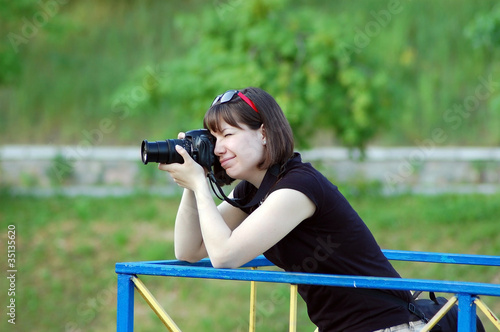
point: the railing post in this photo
(466, 313)
(253, 306)
(293, 308)
(125, 304)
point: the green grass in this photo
(67, 248)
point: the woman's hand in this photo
(189, 174)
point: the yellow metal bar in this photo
(440, 314)
(293, 308)
(253, 293)
(253, 299)
(491, 316)
(153, 303)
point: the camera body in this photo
(198, 143)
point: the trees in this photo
(321, 81)
(384, 71)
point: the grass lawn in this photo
(66, 249)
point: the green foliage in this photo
(62, 170)
(484, 30)
(384, 72)
(298, 56)
(24, 21)
(10, 61)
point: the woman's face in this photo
(240, 151)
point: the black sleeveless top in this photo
(334, 241)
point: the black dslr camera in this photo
(198, 143)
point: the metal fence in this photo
(467, 294)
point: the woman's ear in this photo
(262, 131)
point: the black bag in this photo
(449, 323)
(425, 309)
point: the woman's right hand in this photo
(189, 174)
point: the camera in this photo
(198, 143)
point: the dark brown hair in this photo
(277, 130)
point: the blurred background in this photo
(378, 72)
(393, 100)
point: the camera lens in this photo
(162, 151)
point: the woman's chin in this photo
(232, 174)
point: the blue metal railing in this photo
(466, 292)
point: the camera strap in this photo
(213, 182)
(269, 180)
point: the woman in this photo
(301, 222)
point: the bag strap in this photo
(432, 296)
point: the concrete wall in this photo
(72, 170)
(416, 169)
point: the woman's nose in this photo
(219, 148)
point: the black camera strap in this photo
(272, 176)
(269, 180)
(213, 182)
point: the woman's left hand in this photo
(189, 174)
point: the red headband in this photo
(248, 101)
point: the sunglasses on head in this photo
(228, 95)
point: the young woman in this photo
(301, 224)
